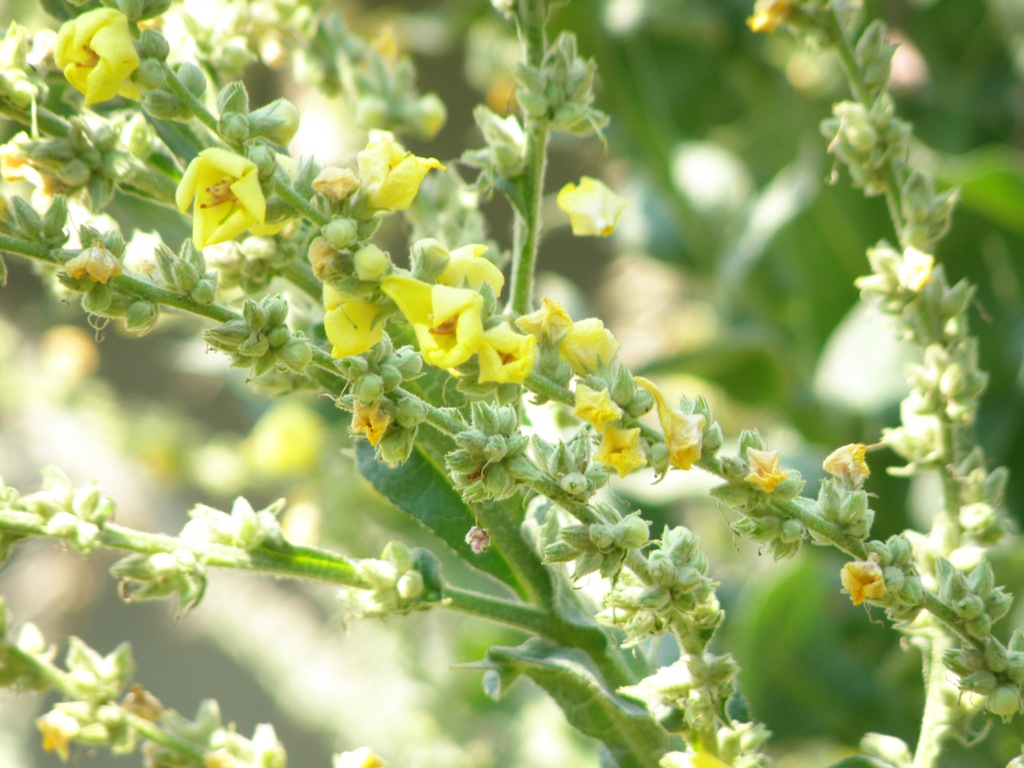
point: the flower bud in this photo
(153, 45)
(141, 317)
(277, 121)
(371, 263)
(296, 353)
(429, 115)
(234, 128)
(368, 388)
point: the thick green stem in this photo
(37, 251)
(301, 205)
(935, 721)
(195, 106)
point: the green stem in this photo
(935, 721)
(38, 251)
(152, 732)
(195, 106)
(169, 298)
(47, 122)
(301, 205)
(528, 221)
(299, 274)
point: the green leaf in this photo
(628, 732)
(420, 488)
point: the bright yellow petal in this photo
(593, 209)
(506, 356)
(351, 323)
(620, 449)
(468, 267)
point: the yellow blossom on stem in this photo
(915, 271)
(97, 55)
(848, 465)
(549, 323)
(467, 267)
(370, 421)
(96, 262)
(684, 432)
(389, 175)
(58, 728)
(596, 407)
(588, 344)
(447, 321)
(506, 356)
(593, 209)
(863, 580)
(352, 324)
(700, 759)
(764, 469)
(620, 449)
(769, 14)
(224, 192)
(364, 757)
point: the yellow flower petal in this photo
(620, 449)
(467, 267)
(549, 323)
(848, 465)
(593, 209)
(370, 421)
(389, 175)
(224, 191)
(506, 356)
(352, 324)
(915, 271)
(447, 321)
(863, 580)
(96, 53)
(96, 262)
(769, 14)
(587, 345)
(764, 469)
(684, 432)
(596, 407)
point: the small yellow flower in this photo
(848, 465)
(764, 469)
(96, 262)
(684, 432)
(915, 271)
(593, 209)
(467, 267)
(389, 175)
(596, 407)
(700, 759)
(769, 14)
(587, 345)
(549, 323)
(97, 55)
(371, 421)
(620, 449)
(364, 757)
(863, 580)
(506, 356)
(352, 324)
(447, 321)
(336, 184)
(58, 728)
(227, 197)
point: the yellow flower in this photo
(468, 268)
(848, 465)
(506, 356)
(363, 757)
(915, 271)
(227, 196)
(593, 209)
(352, 324)
(96, 262)
(863, 580)
(58, 728)
(700, 759)
(549, 323)
(769, 14)
(371, 421)
(389, 175)
(684, 432)
(97, 55)
(764, 469)
(620, 449)
(447, 320)
(596, 407)
(588, 344)
(336, 184)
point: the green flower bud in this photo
(713, 438)
(396, 446)
(228, 336)
(1004, 701)
(192, 78)
(296, 353)
(409, 363)
(141, 317)
(368, 388)
(55, 219)
(429, 258)
(164, 105)
(256, 345)
(371, 263)
(429, 115)
(277, 310)
(153, 45)
(205, 291)
(341, 233)
(277, 336)
(277, 121)
(574, 484)
(371, 112)
(233, 99)
(410, 412)
(633, 532)
(410, 585)
(264, 157)
(234, 128)
(97, 299)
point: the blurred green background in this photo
(731, 276)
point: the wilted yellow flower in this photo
(620, 449)
(506, 356)
(684, 432)
(549, 323)
(764, 469)
(596, 407)
(593, 209)
(337, 184)
(467, 267)
(769, 14)
(58, 728)
(96, 262)
(371, 421)
(848, 465)
(227, 196)
(915, 271)
(97, 55)
(352, 324)
(447, 321)
(588, 344)
(389, 174)
(863, 580)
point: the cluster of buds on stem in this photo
(560, 91)
(400, 581)
(260, 340)
(601, 547)
(490, 454)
